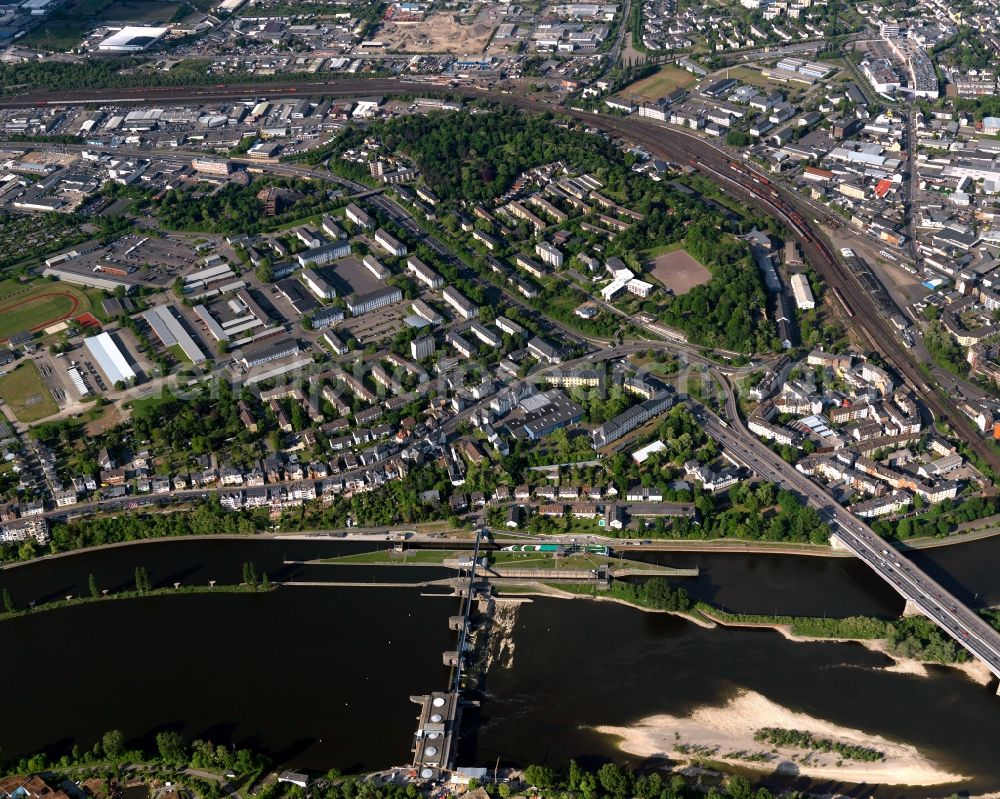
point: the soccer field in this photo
(26, 394)
(663, 82)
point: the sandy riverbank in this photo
(975, 670)
(721, 733)
(558, 593)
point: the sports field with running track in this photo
(27, 306)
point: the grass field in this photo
(179, 355)
(431, 557)
(139, 12)
(66, 27)
(754, 78)
(26, 394)
(87, 8)
(26, 306)
(56, 34)
(13, 288)
(653, 252)
(663, 82)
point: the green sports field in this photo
(26, 394)
(27, 306)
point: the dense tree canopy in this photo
(478, 156)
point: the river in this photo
(321, 677)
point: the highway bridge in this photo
(922, 593)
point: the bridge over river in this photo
(922, 593)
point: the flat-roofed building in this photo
(212, 166)
(549, 254)
(422, 347)
(639, 287)
(545, 413)
(272, 350)
(132, 39)
(89, 278)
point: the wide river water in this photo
(321, 676)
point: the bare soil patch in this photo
(440, 32)
(679, 272)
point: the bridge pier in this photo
(837, 543)
(912, 609)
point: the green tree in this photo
(615, 780)
(250, 574)
(8, 602)
(142, 582)
(737, 138)
(113, 744)
(92, 585)
(540, 776)
(738, 787)
(171, 746)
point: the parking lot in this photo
(377, 325)
(350, 276)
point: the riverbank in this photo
(975, 670)
(584, 592)
(74, 601)
(439, 530)
(710, 618)
(358, 534)
(725, 734)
